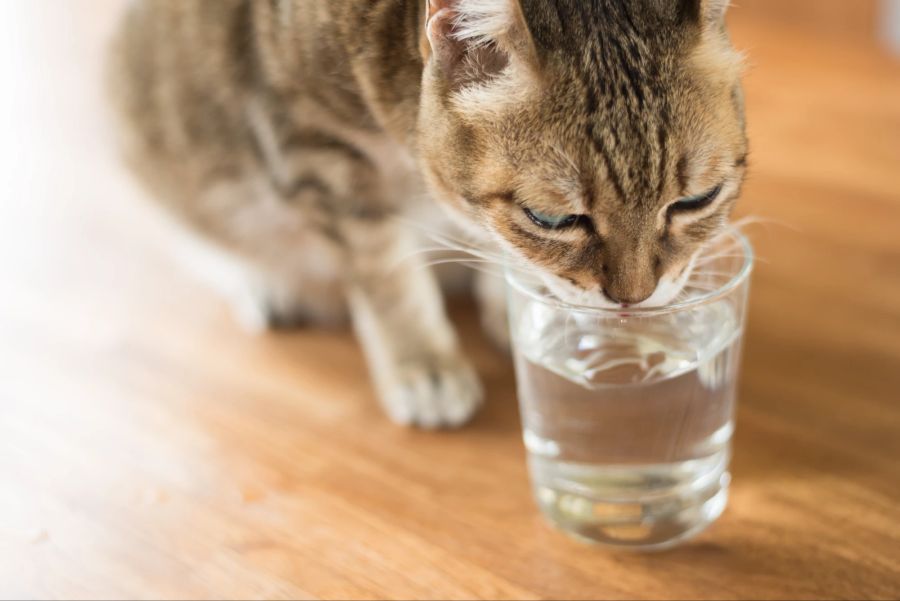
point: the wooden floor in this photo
(148, 448)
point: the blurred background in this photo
(150, 448)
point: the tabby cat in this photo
(601, 142)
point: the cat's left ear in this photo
(465, 36)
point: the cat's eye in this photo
(696, 203)
(551, 222)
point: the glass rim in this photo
(740, 276)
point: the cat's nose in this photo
(628, 276)
(625, 301)
(627, 296)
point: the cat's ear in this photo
(474, 40)
(705, 12)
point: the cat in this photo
(600, 142)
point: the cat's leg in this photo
(346, 186)
(490, 292)
(419, 370)
(270, 302)
(267, 258)
(264, 295)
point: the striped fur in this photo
(290, 135)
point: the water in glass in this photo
(628, 421)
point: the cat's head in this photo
(601, 141)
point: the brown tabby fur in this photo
(289, 134)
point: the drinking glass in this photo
(628, 413)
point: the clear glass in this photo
(628, 414)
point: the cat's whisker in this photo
(455, 261)
(450, 242)
(473, 265)
(473, 250)
(750, 220)
(470, 256)
(433, 232)
(729, 246)
(756, 259)
(707, 259)
(702, 289)
(470, 247)
(698, 282)
(717, 283)
(422, 251)
(710, 274)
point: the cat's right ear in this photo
(705, 12)
(470, 40)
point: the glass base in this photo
(645, 508)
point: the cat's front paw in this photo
(442, 392)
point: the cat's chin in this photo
(666, 292)
(574, 295)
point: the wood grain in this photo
(150, 449)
